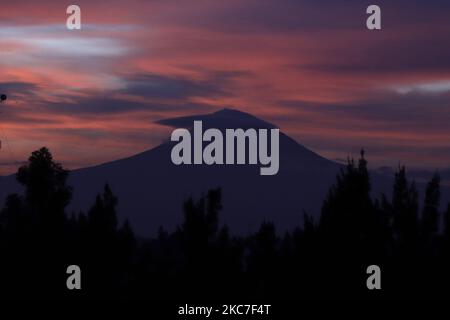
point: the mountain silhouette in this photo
(151, 189)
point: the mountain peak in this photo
(224, 118)
(232, 112)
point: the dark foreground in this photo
(201, 263)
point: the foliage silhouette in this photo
(202, 259)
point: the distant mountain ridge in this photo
(151, 189)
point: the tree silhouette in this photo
(102, 216)
(430, 214)
(108, 248)
(262, 260)
(405, 211)
(351, 227)
(46, 192)
(35, 226)
(350, 219)
(447, 222)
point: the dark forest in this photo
(202, 259)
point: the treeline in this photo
(324, 258)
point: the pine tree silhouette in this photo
(36, 226)
(405, 211)
(109, 249)
(447, 222)
(430, 214)
(262, 260)
(46, 192)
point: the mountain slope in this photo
(151, 189)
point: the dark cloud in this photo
(13, 88)
(274, 16)
(109, 105)
(415, 110)
(13, 115)
(212, 84)
(171, 94)
(178, 88)
(311, 15)
(408, 53)
(94, 105)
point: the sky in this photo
(310, 67)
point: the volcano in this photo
(151, 189)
